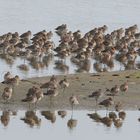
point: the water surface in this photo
(58, 129)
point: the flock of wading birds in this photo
(122, 45)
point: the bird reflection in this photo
(106, 121)
(49, 115)
(95, 116)
(122, 115)
(31, 119)
(112, 117)
(72, 123)
(47, 59)
(84, 66)
(60, 65)
(5, 117)
(118, 123)
(8, 59)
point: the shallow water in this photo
(85, 127)
(37, 15)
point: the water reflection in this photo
(112, 117)
(5, 117)
(31, 118)
(23, 121)
(36, 118)
(49, 115)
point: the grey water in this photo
(23, 15)
(85, 127)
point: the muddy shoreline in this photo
(82, 85)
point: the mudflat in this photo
(81, 85)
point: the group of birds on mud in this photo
(39, 49)
(35, 94)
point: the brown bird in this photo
(14, 81)
(73, 101)
(30, 99)
(114, 90)
(96, 94)
(52, 92)
(124, 87)
(51, 84)
(7, 76)
(7, 93)
(64, 84)
(118, 106)
(34, 95)
(107, 102)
